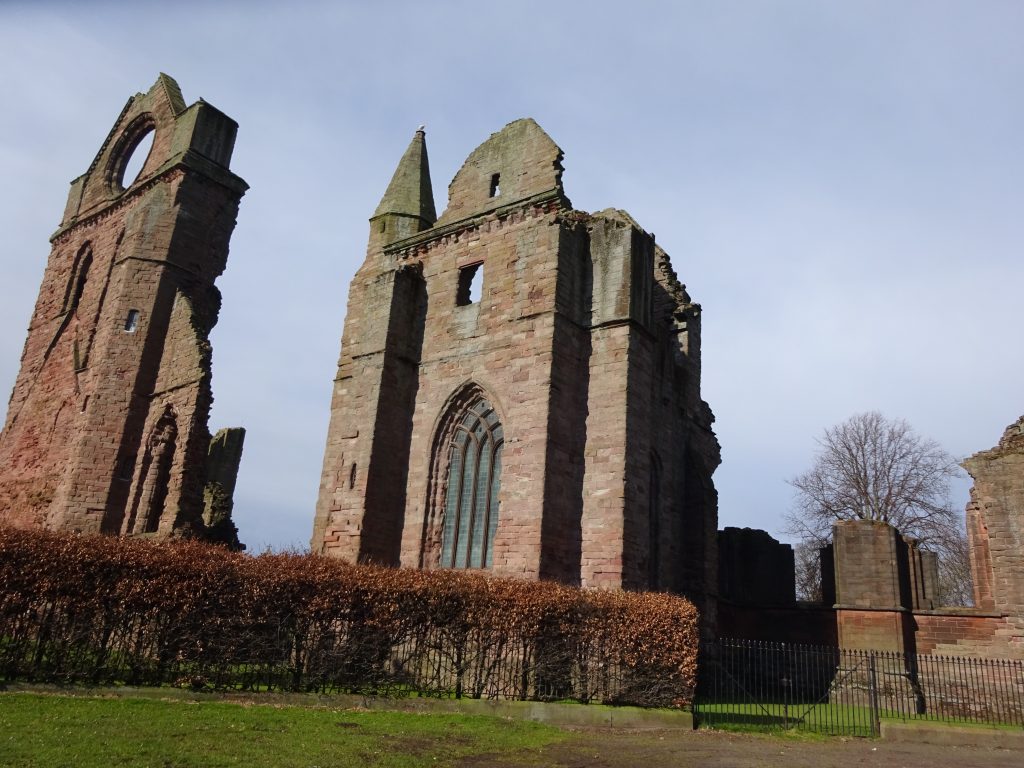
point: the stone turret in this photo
(408, 204)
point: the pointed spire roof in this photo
(409, 192)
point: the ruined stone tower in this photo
(106, 429)
(519, 387)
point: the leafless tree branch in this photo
(873, 468)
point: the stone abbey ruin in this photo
(106, 429)
(518, 391)
(550, 425)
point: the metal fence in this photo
(334, 657)
(839, 691)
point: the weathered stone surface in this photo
(995, 530)
(881, 577)
(583, 342)
(223, 461)
(885, 587)
(106, 427)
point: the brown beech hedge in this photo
(107, 611)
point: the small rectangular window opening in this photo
(471, 280)
(496, 185)
(132, 321)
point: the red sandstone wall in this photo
(88, 386)
(584, 342)
(958, 634)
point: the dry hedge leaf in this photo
(77, 607)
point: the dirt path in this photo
(710, 749)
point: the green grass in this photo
(41, 730)
(823, 718)
(776, 716)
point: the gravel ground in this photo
(715, 749)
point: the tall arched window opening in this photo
(79, 275)
(474, 479)
(154, 475)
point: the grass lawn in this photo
(57, 730)
(818, 718)
(823, 718)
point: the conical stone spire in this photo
(408, 204)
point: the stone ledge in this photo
(438, 231)
(961, 611)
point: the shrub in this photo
(105, 610)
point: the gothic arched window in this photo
(474, 478)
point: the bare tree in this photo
(956, 585)
(873, 468)
(807, 563)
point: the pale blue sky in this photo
(838, 183)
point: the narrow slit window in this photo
(79, 275)
(131, 322)
(496, 185)
(471, 281)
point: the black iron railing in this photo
(755, 684)
(329, 657)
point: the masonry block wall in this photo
(885, 599)
(995, 533)
(578, 360)
(755, 569)
(106, 429)
(881, 578)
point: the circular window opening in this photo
(136, 159)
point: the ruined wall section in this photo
(222, 465)
(92, 369)
(995, 530)
(755, 569)
(698, 454)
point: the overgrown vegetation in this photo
(102, 611)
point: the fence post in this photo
(873, 694)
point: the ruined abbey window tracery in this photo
(474, 478)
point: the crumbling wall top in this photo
(517, 163)
(200, 136)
